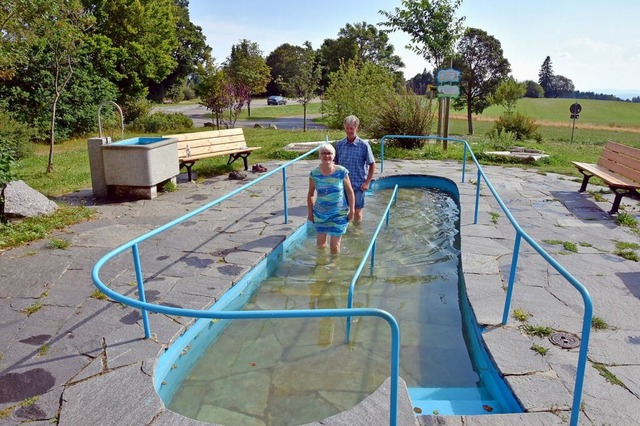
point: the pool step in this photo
(451, 401)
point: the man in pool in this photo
(355, 154)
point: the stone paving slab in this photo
(86, 360)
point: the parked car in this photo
(276, 100)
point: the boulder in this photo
(23, 201)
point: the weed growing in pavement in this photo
(537, 330)
(626, 219)
(598, 323)
(608, 375)
(539, 349)
(521, 315)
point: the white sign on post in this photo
(448, 75)
(449, 91)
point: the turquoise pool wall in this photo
(178, 360)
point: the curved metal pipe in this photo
(121, 118)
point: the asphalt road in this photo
(200, 116)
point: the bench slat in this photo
(208, 134)
(191, 150)
(606, 175)
(220, 153)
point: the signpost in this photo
(575, 110)
(448, 88)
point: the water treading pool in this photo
(291, 372)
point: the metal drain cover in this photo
(565, 340)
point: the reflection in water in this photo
(320, 294)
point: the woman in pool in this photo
(330, 212)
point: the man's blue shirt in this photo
(356, 157)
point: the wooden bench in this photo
(214, 143)
(619, 168)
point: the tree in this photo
(432, 26)
(545, 77)
(483, 66)
(372, 45)
(362, 42)
(211, 80)
(562, 86)
(144, 34)
(191, 51)
(19, 21)
(357, 89)
(420, 82)
(534, 90)
(304, 83)
(248, 68)
(64, 38)
(223, 95)
(508, 93)
(283, 64)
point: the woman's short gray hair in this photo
(327, 147)
(351, 120)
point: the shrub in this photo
(14, 136)
(403, 114)
(135, 108)
(189, 93)
(175, 93)
(160, 122)
(522, 126)
(501, 141)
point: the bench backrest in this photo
(209, 142)
(621, 159)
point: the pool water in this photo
(290, 372)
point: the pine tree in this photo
(545, 78)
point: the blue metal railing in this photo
(520, 234)
(145, 307)
(371, 249)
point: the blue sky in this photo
(594, 43)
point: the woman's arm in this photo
(351, 198)
(310, 194)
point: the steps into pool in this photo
(451, 401)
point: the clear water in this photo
(290, 372)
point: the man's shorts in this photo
(359, 198)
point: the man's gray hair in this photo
(351, 120)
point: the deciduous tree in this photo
(304, 83)
(248, 68)
(283, 63)
(357, 89)
(507, 94)
(483, 66)
(144, 34)
(562, 86)
(432, 26)
(191, 51)
(362, 42)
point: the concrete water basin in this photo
(135, 167)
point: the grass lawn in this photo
(599, 121)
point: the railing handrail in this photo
(146, 307)
(369, 251)
(586, 298)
